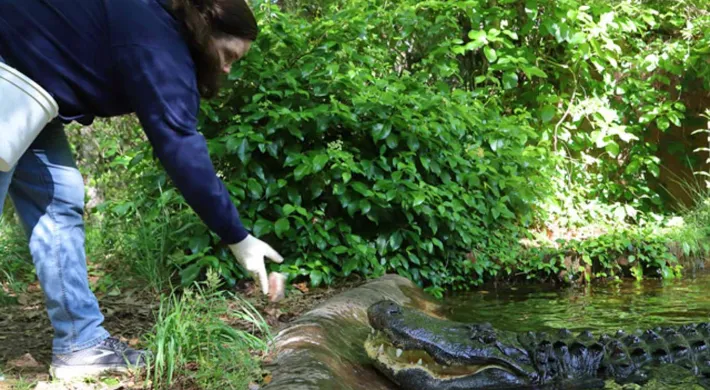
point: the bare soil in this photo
(26, 333)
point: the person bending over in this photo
(103, 58)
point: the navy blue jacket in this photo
(102, 58)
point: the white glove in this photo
(250, 253)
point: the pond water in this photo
(626, 305)
(323, 349)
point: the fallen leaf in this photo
(24, 361)
(23, 299)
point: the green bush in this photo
(347, 164)
(427, 138)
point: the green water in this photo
(627, 305)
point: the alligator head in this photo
(421, 352)
(417, 351)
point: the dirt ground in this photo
(26, 333)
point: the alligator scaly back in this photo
(622, 357)
(420, 352)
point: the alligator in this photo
(420, 352)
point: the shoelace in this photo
(116, 344)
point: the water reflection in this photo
(602, 307)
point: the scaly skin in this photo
(419, 352)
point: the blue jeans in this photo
(47, 191)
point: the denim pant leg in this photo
(48, 193)
(5, 178)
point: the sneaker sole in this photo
(94, 370)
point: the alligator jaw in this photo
(381, 350)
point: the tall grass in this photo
(138, 238)
(15, 261)
(195, 343)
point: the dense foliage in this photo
(429, 138)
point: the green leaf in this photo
(392, 141)
(350, 266)
(511, 34)
(547, 113)
(255, 189)
(362, 188)
(262, 227)
(510, 80)
(319, 162)
(346, 176)
(294, 196)
(613, 148)
(316, 189)
(490, 54)
(282, 226)
(531, 71)
(413, 143)
(419, 198)
(495, 212)
(663, 123)
(198, 243)
(479, 37)
(242, 151)
(339, 250)
(365, 206)
(633, 167)
(316, 278)
(189, 274)
(295, 132)
(381, 131)
(288, 209)
(396, 240)
(301, 171)
(646, 118)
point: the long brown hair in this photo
(205, 20)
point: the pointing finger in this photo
(274, 256)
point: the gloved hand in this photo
(250, 253)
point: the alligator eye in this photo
(394, 310)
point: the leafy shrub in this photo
(428, 138)
(347, 165)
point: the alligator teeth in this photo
(419, 363)
(382, 349)
(399, 352)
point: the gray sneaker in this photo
(111, 356)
